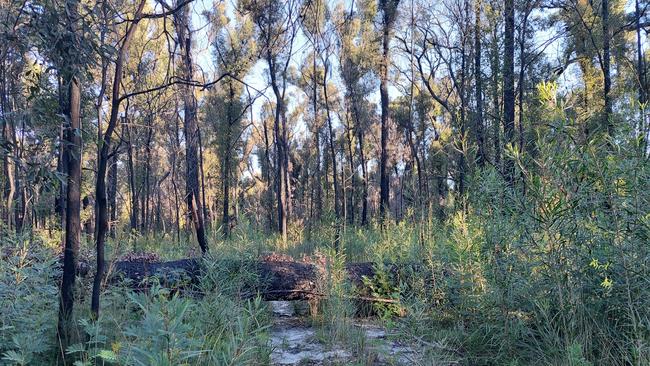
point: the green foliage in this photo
(155, 327)
(383, 286)
(29, 301)
(337, 309)
(552, 269)
(163, 336)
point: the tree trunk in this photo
(317, 171)
(353, 181)
(462, 163)
(364, 176)
(225, 221)
(496, 107)
(145, 218)
(607, 122)
(280, 144)
(480, 137)
(279, 279)
(101, 220)
(384, 178)
(72, 217)
(521, 84)
(226, 175)
(337, 188)
(112, 193)
(206, 215)
(9, 157)
(135, 201)
(100, 120)
(509, 86)
(269, 183)
(190, 129)
(643, 82)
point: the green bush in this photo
(29, 302)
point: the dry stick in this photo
(322, 295)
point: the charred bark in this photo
(191, 129)
(73, 209)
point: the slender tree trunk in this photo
(226, 196)
(364, 174)
(191, 129)
(353, 182)
(495, 66)
(508, 86)
(177, 203)
(101, 220)
(410, 129)
(480, 137)
(21, 190)
(206, 215)
(226, 169)
(59, 204)
(280, 144)
(317, 171)
(608, 123)
(100, 118)
(146, 181)
(112, 193)
(522, 81)
(73, 198)
(281, 173)
(643, 82)
(269, 181)
(337, 188)
(384, 177)
(416, 157)
(286, 153)
(9, 157)
(135, 201)
(462, 163)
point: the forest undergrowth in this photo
(552, 270)
(557, 276)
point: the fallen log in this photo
(277, 279)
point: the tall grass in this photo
(154, 327)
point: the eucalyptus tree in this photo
(146, 68)
(441, 52)
(101, 202)
(410, 122)
(71, 50)
(66, 42)
(320, 31)
(387, 10)
(312, 21)
(183, 30)
(479, 127)
(308, 82)
(234, 49)
(276, 28)
(509, 85)
(593, 27)
(358, 51)
(15, 30)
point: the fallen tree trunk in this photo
(277, 280)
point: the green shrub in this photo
(29, 302)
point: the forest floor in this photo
(295, 340)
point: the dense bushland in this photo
(157, 327)
(551, 271)
(488, 158)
